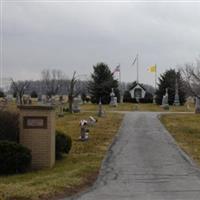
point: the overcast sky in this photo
(75, 36)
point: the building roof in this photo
(136, 84)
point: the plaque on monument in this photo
(34, 122)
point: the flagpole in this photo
(155, 76)
(137, 68)
(120, 82)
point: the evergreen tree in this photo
(34, 94)
(2, 93)
(168, 80)
(102, 83)
(127, 96)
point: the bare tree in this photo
(52, 81)
(191, 74)
(74, 90)
(19, 89)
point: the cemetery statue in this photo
(100, 110)
(113, 98)
(165, 104)
(176, 98)
(197, 105)
(84, 132)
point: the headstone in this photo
(165, 104)
(44, 99)
(197, 105)
(121, 98)
(76, 105)
(9, 97)
(113, 99)
(100, 110)
(17, 99)
(61, 113)
(26, 99)
(176, 98)
(91, 121)
(154, 99)
(80, 99)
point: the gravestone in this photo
(165, 104)
(113, 98)
(197, 105)
(176, 98)
(37, 132)
(154, 99)
(44, 99)
(76, 105)
(100, 109)
(61, 113)
(91, 121)
(9, 97)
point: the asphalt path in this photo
(144, 163)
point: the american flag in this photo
(136, 57)
(117, 69)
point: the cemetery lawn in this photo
(186, 131)
(75, 172)
(149, 107)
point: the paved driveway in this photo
(145, 164)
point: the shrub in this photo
(14, 158)
(127, 97)
(34, 94)
(66, 109)
(2, 94)
(63, 144)
(9, 126)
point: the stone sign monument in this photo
(37, 132)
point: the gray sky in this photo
(75, 36)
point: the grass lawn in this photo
(137, 107)
(72, 174)
(185, 129)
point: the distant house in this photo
(137, 91)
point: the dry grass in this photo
(75, 172)
(137, 107)
(185, 129)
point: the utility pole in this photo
(137, 68)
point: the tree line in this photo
(101, 82)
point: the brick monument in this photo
(37, 132)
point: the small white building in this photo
(137, 91)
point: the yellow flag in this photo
(152, 69)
